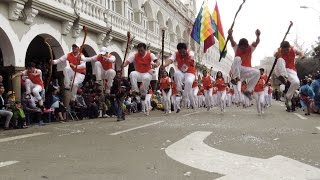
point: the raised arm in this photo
(255, 44)
(233, 43)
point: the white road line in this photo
(7, 163)
(192, 151)
(191, 113)
(301, 117)
(21, 137)
(131, 129)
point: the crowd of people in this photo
(109, 94)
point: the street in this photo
(199, 145)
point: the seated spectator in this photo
(80, 105)
(58, 106)
(4, 112)
(30, 107)
(11, 99)
(315, 85)
(306, 95)
(18, 116)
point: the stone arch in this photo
(148, 10)
(171, 72)
(88, 51)
(170, 33)
(9, 43)
(178, 33)
(169, 25)
(35, 30)
(185, 37)
(135, 4)
(118, 62)
(160, 19)
(38, 52)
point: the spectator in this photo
(59, 108)
(306, 95)
(3, 108)
(80, 105)
(11, 99)
(315, 85)
(30, 107)
(102, 106)
(19, 116)
(120, 88)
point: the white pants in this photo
(208, 97)
(237, 92)
(186, 79)
(245, 73)
(68, 77)
(136, 77)
(35, 88)
(281, 70)
(166, 100)
(201, 99)
(176, 100)
(245, 100)
(228, 100)
(222, 99)
(146, 104)
(266, 95)
(104, 74)
(195, 91)
(269, 99)
(259, 96)
(215, 100)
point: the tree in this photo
(316, 50)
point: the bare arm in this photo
(17, 74)
(233, 43)
(255, 44)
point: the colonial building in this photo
(25, 26)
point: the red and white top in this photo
(207, 82)
(35, 79)
(185, 64)
(245, 55)
(165, 83)
(289, 58)
(260, 85)
(143, 64)
(220, 84)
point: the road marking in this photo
(7, 163)
(131, 129)
(191, 113)
(21, 137)
(301, 117)
(193, 152)
(318, 128)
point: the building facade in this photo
(25, 26)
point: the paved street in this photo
(200, 145)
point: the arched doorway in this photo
(171, 72)
(118, 61)
(7, 60)
(88, 51)
(39, 53)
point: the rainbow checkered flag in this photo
(203, 30)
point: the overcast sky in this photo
(272, 17)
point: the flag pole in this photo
(225, 45)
